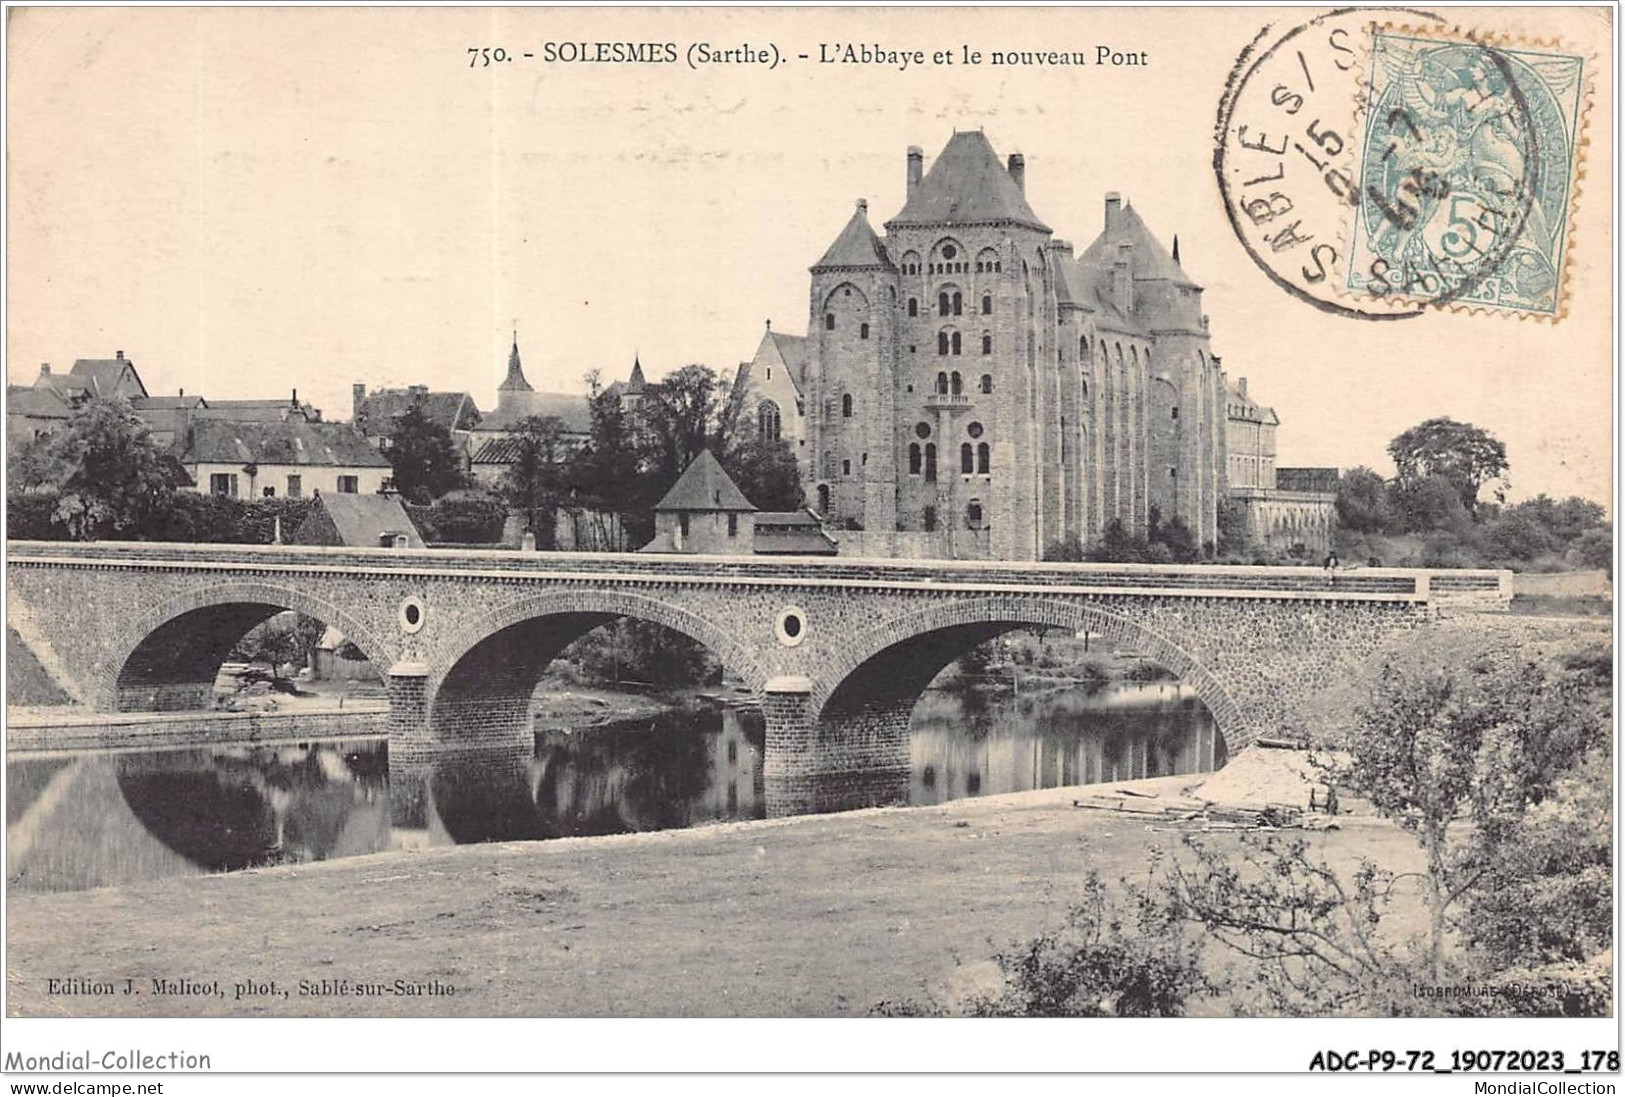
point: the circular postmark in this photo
(1372, 174)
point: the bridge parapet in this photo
(1457, 588)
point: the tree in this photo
(1433, 503)
(767, 472)
(423, 456)
(534, 482)
(117, 481)
(1362, 502)
(1118, 546)
(35, 465)
(682, 415)
(1464, 455)
(1454, 746)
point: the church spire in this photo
(1176, 247)
(515, 381)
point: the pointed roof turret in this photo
(635, 384)
(857, 247)
(968, 185)
(705, 485)
(515, 381)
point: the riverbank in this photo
(809, 916)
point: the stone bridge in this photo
(838, 650)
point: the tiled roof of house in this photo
(257, 411)
(857, 247)
(378, 411)
(290, 442)
(797, 351)
(101, 377)
(967, 185)
(359, 520)
(40, 403)
(705, 485)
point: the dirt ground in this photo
(813, 916)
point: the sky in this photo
(247, 202)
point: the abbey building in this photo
(970, 386)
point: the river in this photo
(86, 819)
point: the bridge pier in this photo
(837, 763)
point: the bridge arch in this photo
(167, 657)
(481, 677)
(892, 663)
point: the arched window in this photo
(987, 304)
(987, 343)
(942, 304)
(959, 304)
(942, 384)
(931, 461)
(863, 331)
(956, 342)
(958, 386)
(942, 342)
(846, 405)
(914, 306)
(984, 458)
(987, 382)
(967, 459)
(846, 467)
(769, 427)
(914, 458)
(829, 321)
(823, 498)
(973, 514)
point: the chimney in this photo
(1241, 384)
(418, 390)
(863, 207)
(45, 369)
(295, 399)
(1018, 171)
(358, 396)
(1114, 203)
(916, 167)
(1123, 277)
(119, 355)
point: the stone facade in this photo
(840, 649)
(968, 377)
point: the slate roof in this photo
(705, 485)
(359, 520)
(378, 411)
(515, 381)
(635, 384)
(792, 533)
(516, 406)
(967, 185)
(101, 376)
(256, 411)
(168, 403)
(1250, 410)
(290, 442)
(857, 247)
(1150, 259)
(797, 352)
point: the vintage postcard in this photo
(805, 513)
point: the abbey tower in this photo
(970, 387)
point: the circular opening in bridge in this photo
(412, 615)
(791, 626)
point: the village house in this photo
(292, 458)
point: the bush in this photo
(223, 520)
(471, 517)
(31, 517)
